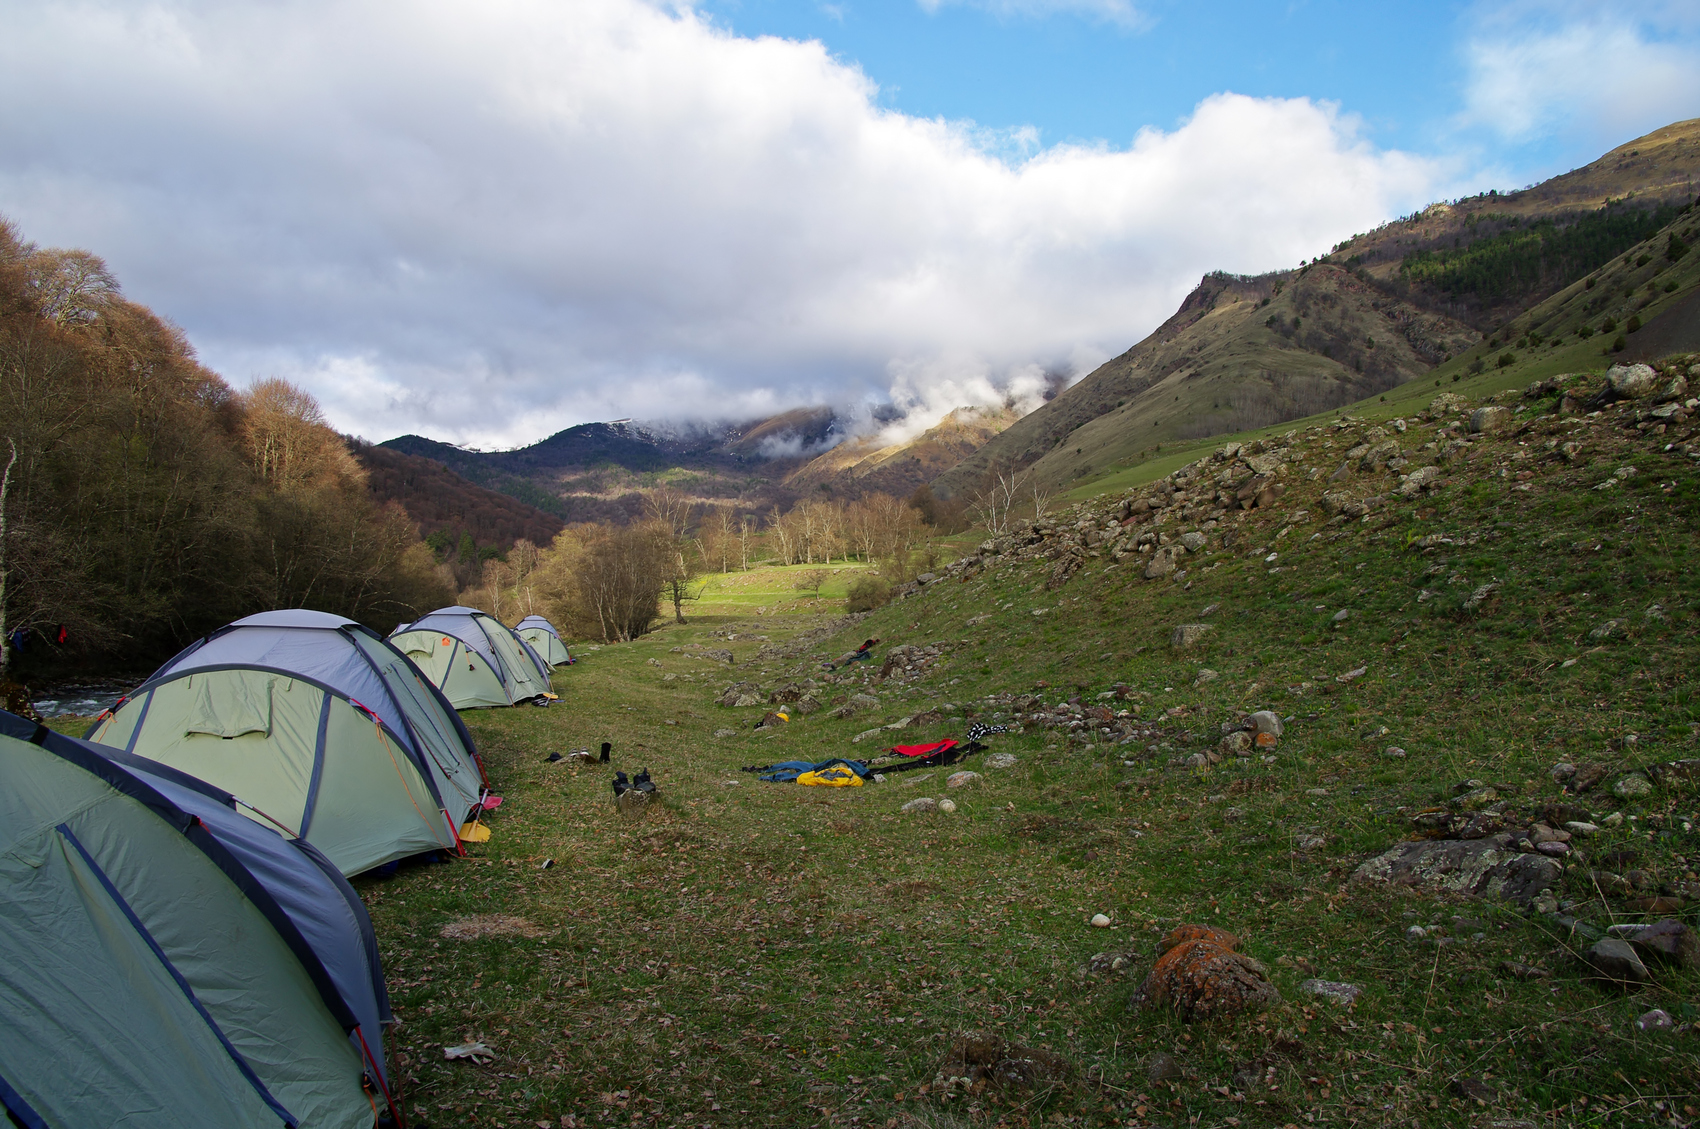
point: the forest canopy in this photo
(144, 502)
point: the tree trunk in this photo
(5, 488)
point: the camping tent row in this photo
(167, 962)
(475, 659)
(318, 727)
(544, 639)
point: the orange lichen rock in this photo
(1182, 933)
(1199, 975)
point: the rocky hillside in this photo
(1387, 307)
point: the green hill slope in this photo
(1385, 308)
(1498, 654)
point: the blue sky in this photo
(1101, 71)
(486, 220)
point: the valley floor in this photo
(742, 953)
(746, 953)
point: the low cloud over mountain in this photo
(488, 222)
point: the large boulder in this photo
(1491, 418)
(1199, 975)
(1481, 868)
(1631, 382)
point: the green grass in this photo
(804, 956)
(754, 954)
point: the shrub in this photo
(1676, 248)
(1633, 323)
(1589, 285)
(1476, 366)
(1608, 326)
(1585, 332)
(1643, 259)
(1506, 360)
(1620, 344)
(867, 593)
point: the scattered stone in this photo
(1474, 1089)
(725, 732)
(1162, 1067)
(1100, 921)
(863, 702)
(919, 805)
(1102, 964)
(1477, 868)
(947, 806)
(1200, 975)
(1341, 616)
(1616, 961)
(1311, 842)
(1656, 1020)
(1579, 827)
(1002, 760)
(1162, 562)
(1393, 751)
(1562, 771)
(1237, 744)
(1631, 382)
(1266, 721)
(1610, 629)
(1586, 776)
(1632, 786)
(962, 779)
(744, 701)
(1667, 942)
(977, 1062)
(1352, 675)
(1205, 674)
(1489, 419)
(1193, 541)
(1188, 635)
(1333, 991)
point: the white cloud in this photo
(487, 221)
(1111, 11)
(1582, 68)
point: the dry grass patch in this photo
(490, 925)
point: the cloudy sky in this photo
(485, 220)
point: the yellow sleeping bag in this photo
(838, 776)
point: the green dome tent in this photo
(167, 962)
(319, 726)
(476, 659)
(544, 639)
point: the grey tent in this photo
(168, 962)
(544, 639)
(318, 725)
(476, 659)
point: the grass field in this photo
(748, 953)
(745, 953)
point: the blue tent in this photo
(317, 724)
(475, 658)
(166, 961)
(544, 639)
